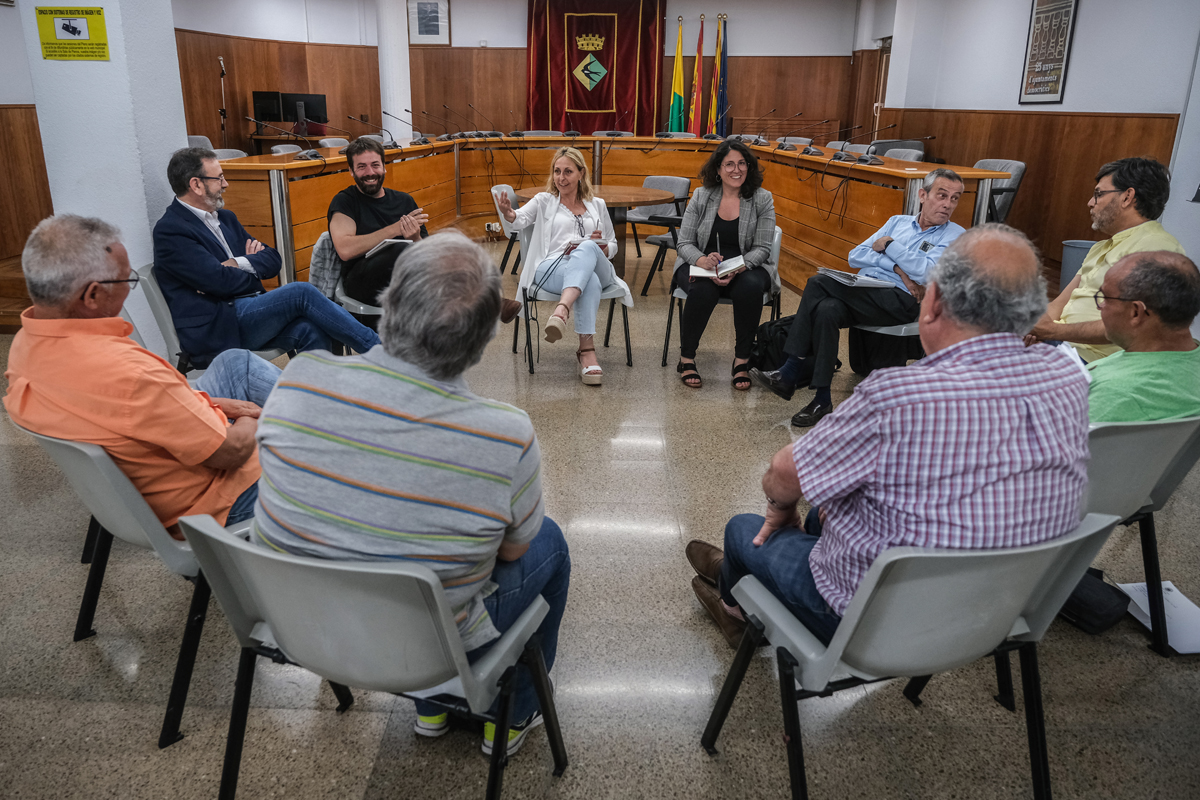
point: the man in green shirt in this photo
(1129, 198)
(1147, 303)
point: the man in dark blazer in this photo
(211, 270)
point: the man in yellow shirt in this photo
(1129, 198)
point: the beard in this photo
(369, 184)
(216, 200)
(1102, 218)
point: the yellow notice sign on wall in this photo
(72, 34)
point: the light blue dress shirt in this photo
(913, 249)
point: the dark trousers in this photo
(746, 290)
(366, 278)
(827, 306)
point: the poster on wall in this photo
(72, 34)
(428, 22)
(1051, 25)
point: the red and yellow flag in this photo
(696, 110)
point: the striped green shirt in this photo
(367, 458)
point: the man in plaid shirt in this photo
(980, 445)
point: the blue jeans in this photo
(545, 569)
(781, 564)
(296, 316)
(240, 375)
(586, 269)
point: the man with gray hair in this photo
(980, 445)
(892, 265)
(74, 373)
(388, 455)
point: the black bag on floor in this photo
(1094, 606)
(870, 351)
(768, 344)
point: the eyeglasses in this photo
(1096, 195)
(734, 166)
(132, 281)
(1100, 299)
(220, 178)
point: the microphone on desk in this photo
(919, 138)
(445, 137)
(515, 131)
(492, 132)
(716, 122)
(571, 133)
(388, 144)
(411, 127)
(816, 152)
(466, 134)
(785, 146)
(617, 125)
(763, 134)
(756, 121)
(336, 128)
(842, 155)
(309, 154)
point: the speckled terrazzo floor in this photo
(633, 470)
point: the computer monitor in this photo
(314, 107)
(268, 106)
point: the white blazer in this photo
(539, 212)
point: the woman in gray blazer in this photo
(730, 215)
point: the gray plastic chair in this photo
(374, 136)
(675, 135)
(858, 148)
(905, 155)
(354, 306)
(543, 133)
(885, 146)
(283, 149)
(166, 325)
(200, 141)
(680, 187)
(836, 145)
(510, 232)
(1004, 190)
(404, 639)
(118, 509)
(747, 138)
(770, 299)
(612, 133)
(333, 141)
(227, 154)
(797, 140)
(917, 612)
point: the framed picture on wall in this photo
(428, 22)
(1047, 51)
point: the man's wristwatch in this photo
(773, 503)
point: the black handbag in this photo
(1094, 606)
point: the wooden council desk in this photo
(824, 208)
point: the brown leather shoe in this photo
(508, 310)
(731, 627)
(705, 559)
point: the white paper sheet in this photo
(1183, 616)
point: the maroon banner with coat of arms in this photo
(595, 65)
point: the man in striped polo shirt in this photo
(982, 444)
(388, 455)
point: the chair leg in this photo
(507, 251)
(187, 660)
(532, 658)
(636, 243)
(628, 345)
(500, 742)
(1158, 613)
(612, 304)
(91, 590)
(659, 259)
(516, 331)
(89, 541)
(733, 682)
(914, 687)
(670, 318)
(1035, 723)
(528, 328)
(1004, 682)
(344, 696)
(791, 723)
(517, 262)
(237, 724)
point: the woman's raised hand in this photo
(506, 207)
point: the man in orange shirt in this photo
(74, 373)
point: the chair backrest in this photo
(1016, 170)
(748, 138)
(377, 137)
(227, 154)
(161, 311)
(885, 146)
(380, 626)
(281, 149)
(134, 334)
(543, 133)
(333, 141)
(612, 133)
(200, 141)
(680, 187)
(776, 246)
(675, 135)
(836, 145)
(858, 148)
(905, 155)
(1130, 459)
(114, 501)
(919, 611)
(794, 140)
(499, 188)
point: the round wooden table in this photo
(619, 200)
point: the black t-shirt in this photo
(727, 230)
(369, 213)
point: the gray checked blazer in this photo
(756, 229)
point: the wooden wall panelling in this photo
(25, 190)
(349, 78)
(493, 79)
(250, 200)
(864, 81)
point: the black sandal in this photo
(741, 377)
(689, 371)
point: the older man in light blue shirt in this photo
(898, 255)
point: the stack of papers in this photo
(1183, 617)
(851, 279)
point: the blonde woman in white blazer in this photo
(569, 251)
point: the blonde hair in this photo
(576, 158)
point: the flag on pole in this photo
(696, 108)
(675, 115)
(718, 103)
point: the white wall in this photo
(1182, 217)
(502, 23)
(317, 21)
(952, 54)
(765, 27)
(875, 21)
(16, 86)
